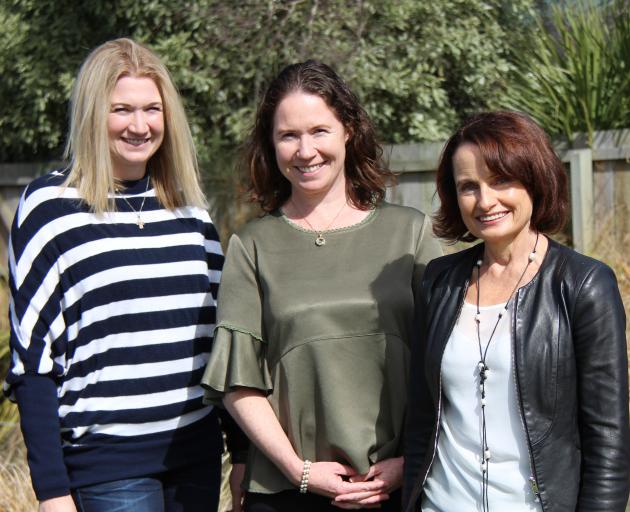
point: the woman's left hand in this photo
(235, 481)
(388, 472)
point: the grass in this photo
(16, 494)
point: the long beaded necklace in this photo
(139, 221)
(484, 371)
(320, 240)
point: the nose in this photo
(138, 122)
(306, 148)
(486, 197)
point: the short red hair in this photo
(514, 146)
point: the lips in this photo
(491, 217)
(136, 141)
(309, 169)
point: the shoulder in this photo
(262, 226)
(577, 271)
(402, 214)
(450, 270)
(267, 227)
(455, 260)
(52, 179)
(40, 192)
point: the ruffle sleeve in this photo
(237, 359)
(239, 350)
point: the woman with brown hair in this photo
(316, 304)
(519, 383)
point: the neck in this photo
(307, 204)
(513, 251)
(130, 174)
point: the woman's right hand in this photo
(61, 504)
(330, 479)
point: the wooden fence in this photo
(599, 177)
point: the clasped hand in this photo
(350, 490)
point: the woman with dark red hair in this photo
(519, 381)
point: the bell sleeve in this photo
(238, 357)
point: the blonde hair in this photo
(174, 169)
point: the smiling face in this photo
(493, 208)
(310, 145)
(135, 125)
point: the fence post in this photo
(581, 168)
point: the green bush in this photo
(576, 76)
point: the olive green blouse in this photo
(324, 331)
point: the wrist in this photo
(306, 471)
(294, 471)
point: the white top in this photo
(454, 482)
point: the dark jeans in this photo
(293, 501)
(190, 489)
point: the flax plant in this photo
(576, 76)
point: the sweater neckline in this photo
(134, 187)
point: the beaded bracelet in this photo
(306, 469)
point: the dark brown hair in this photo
(512, 145)
(366, 173)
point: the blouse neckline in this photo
(362, 222)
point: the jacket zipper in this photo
(533, 480)
(439, 411)
(437, 432)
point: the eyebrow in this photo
(282, 129)
(124, 104)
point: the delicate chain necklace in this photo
(320, 240)
(139, 221)
(484, 371)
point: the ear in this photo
(348, 135)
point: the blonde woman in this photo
(114, 268)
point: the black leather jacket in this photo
(571, 367)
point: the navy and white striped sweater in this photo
(111, 328)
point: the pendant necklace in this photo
(484, 372)
(320, 240)
(139, 221)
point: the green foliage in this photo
(576, 76)
(418, 67)
(43, 42)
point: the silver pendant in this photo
(320, 240)
(139, 222)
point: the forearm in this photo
(235, 439)
(37, 401)
(252, 411)
(61, 504)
